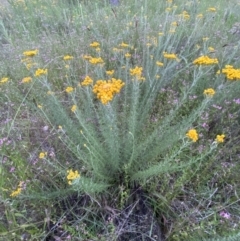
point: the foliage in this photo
(116, 109)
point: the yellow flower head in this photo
(137, 72)
(40, 72)
(185, 15)
(231, 73)
(42, 155)
(72, 175)
(116, 50)
(192, 134)
(106, 90)
(158, 63)
(211, 49)
(30, 53)
(110, 72)
(96, 60)
(30, 65)
(127, 55)
(174, 23)
(74, 108)
(124, 45)
(94, 44)
(209, 92)
(67, 57)
(205, 60)
(87, 57)
(16, 192)
(69, 89)
(26, 80)
(3, 80)
(211, 10)
(170, 56)
(220, 138)
(50, 92)
(87, 81)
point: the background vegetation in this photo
(77, 167)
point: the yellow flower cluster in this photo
(28, 62)
(42, 155)
(40, 72)
(231, 73)
(211, 10)
(26, 80)
(205, 60)
(72, 175)
(87, 57)
(94, 45)
(17, 191)
(137, 72)
(170, 56)
(30, 53)
(124, 45)
(211, 49)
(105, 90)
(192, 134)
(158, 63)
(67, 57)
(174, 24)
(74, 108)
(87, 81)
(185, 15)
(220, 138)
(110, 72)
(93, 60)
(69, 89)
(209, 92)
(3, 80)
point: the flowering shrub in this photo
(113, 118)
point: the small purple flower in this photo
(217, 106)
(2, 140)
(237, 101)
(205, 126)
(225, 214)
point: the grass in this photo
(135, 175)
